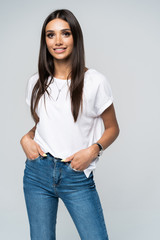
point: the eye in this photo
(67, 33)
(50, 35)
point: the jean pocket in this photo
(37, 158)
(70, 167)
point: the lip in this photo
(59, 48)
(59, 51)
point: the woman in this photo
(63, 147)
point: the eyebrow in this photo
(61, 30)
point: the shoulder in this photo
(33, 79)
(93, 76)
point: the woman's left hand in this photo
(82, 159)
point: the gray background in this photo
(121, 41)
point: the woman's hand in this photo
(31, 148)
(82, 159)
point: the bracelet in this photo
(100, 148)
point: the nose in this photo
(58, 40)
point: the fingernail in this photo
(63, 160)
(44, 154)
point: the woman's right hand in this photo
(31, 148)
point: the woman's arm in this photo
(111, 129)
(29, 135)
(30, 147)
(82, 159)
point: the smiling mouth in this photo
(59, 50)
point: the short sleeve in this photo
(29, 87)
(27, 93)
(104, 96)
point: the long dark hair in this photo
(46, 65)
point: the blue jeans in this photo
(45, 180)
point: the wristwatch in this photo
(100, 149)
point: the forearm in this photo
(107, 138)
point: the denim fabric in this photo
(45, 180)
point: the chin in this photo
(61, 57)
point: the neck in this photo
(61, 69)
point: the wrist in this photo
(94, 150)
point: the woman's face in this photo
(59, 39)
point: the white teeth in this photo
(59, 48)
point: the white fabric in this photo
(56, 131)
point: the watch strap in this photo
(100, 148)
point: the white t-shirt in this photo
(56, 131)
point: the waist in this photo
(50, 155)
